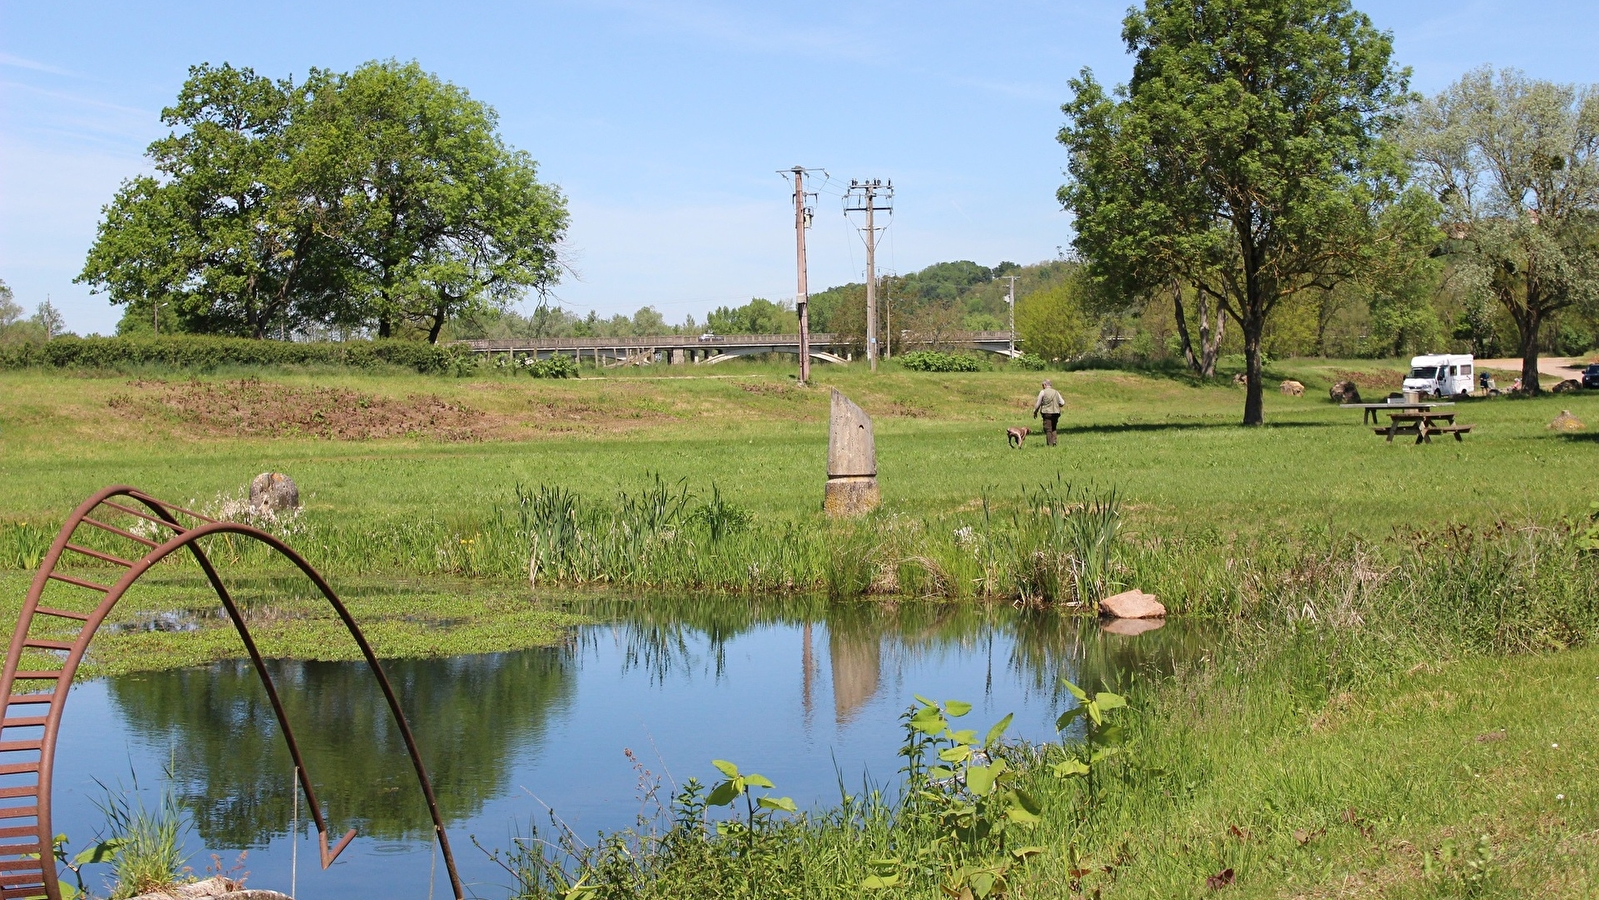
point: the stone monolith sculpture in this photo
(851, 461)
(273, 494)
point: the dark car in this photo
(1590, 377)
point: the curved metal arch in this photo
(27, 870)
(737, 353)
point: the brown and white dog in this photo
(1016, 436)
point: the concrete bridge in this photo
(710, 349)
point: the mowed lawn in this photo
(1171, 447)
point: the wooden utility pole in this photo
(1012, 316)
(864, 196)
(802, 221)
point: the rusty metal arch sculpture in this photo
(27, 865)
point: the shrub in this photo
(203, 353)
(1029, 363)
(554, 367)
(938, 361)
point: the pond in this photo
(805, 692)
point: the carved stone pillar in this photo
(851, 461)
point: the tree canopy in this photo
(1515, 164)
(755, 317)
(370, 200)
(1244, 157)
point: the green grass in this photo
(1169, 445)
(288, 618)
(1212, 515)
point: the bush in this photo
(1027, 362)
(938, 361)
(554, 367)
(202, 353)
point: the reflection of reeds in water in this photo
(670, 635)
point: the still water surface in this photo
(804, 693)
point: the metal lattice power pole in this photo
(802, 221)
(865, 196)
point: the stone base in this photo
(851, 495)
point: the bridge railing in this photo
(709, 342)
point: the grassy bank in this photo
(678, 478)
(1259, 771)
(172, 620)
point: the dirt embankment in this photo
(254, 408)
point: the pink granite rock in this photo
(1133, 604)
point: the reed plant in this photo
(149, 853)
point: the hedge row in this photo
(200, 353)
(937, 361)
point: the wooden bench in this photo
(1416, 432)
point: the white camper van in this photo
(1441, 375)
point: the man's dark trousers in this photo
(1050, 421)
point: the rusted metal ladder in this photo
(31, 718)
(27, 737)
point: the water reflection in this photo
(471, 716)
(790, 688)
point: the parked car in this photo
(1590, 377)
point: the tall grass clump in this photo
(149, 842)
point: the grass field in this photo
(1404, 710)
(1171, 447)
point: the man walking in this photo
(1049, 405)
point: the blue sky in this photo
(665, 122)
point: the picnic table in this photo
(1423, 424)
(1370, 410)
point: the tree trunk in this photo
(438, 323)
(1182, 326)
(385, 327)
(1527, 326)
(1254, 398)
(1209, 342)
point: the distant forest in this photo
(1061, 316)
(942, 298)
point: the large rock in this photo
(1569, 386)
(1133, 604)
(273, 494)
(1292, 388)
(1240, 379)
(218, 888)
(1345, 392)
(1567, 422)
(851, 461)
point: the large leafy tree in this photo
(759, 316)
(439, 217)
(375, 199)
(226, 238)
(1243, 159)
(1053, 323)
(1515, 162)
